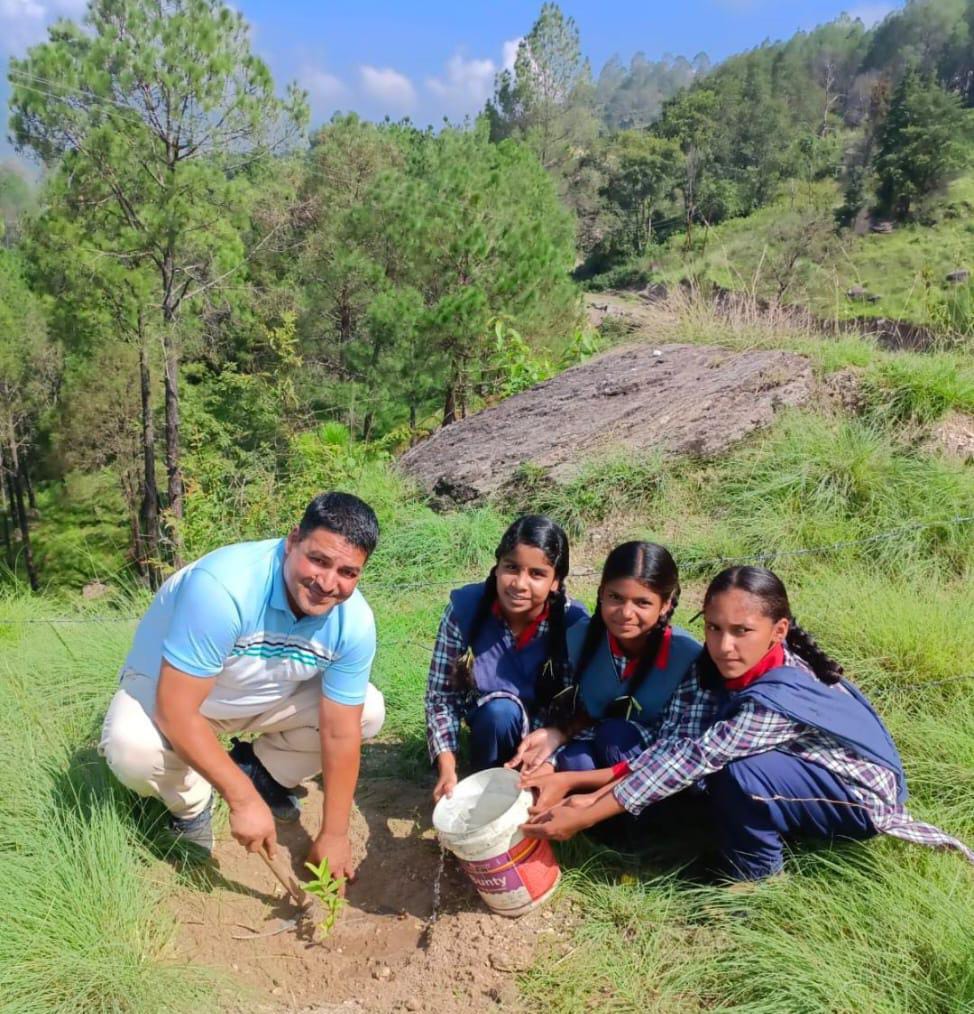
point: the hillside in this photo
(789, 251)
(850, 499)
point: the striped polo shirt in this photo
(227, 617)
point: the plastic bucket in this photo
(480, 824)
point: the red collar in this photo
(662, 657)
(527, 635)
(774, 659)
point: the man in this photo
(264, 637)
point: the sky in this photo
(430, 59)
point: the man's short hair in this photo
(345, 515)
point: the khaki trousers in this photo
(288, 744)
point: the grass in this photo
(83, 928)
(880, 927)
(905, 269)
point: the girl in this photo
(785, 745)
(627, 661)
(500, 654)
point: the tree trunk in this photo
(9, 517)
(450, 405)
(170, 355)
(16, 492)
(147, 546)
(173, 470)
(8, 546)
(28, 485)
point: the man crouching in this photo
(233, 643)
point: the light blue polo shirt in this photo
(227, 616)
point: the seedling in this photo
(327, 889)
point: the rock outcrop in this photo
(678, 399)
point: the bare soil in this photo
(386, 953)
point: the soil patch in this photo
(384, 954)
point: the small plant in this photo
(327, 889)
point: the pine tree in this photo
(918, 145)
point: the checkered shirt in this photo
(693, 744)
(445, 705)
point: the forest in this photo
(197, 283)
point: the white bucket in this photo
(480, 825)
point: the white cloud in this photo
(872, 13)
(509, 53)
(467, 83)
(24, 22)
(388, 85)
(322, 86)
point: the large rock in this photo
(681, 399)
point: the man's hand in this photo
(337, 849)
(252, 825)
(341, 750)
(535, 749)
(446, 764)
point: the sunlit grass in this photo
(880, 927)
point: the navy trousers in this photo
(496, 728)
(752, 823)
(615, 740)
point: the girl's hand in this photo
(445, 785)
(446, 764)
(583, 799)
(551, 789)
(558, 824)
(535, 749)
(539, 772)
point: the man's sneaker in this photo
(282, 801)
(195, 831)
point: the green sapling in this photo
(327, 889)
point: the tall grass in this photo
(83, 925)
(878, 927)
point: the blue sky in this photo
(431, 58)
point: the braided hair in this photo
(651, 565)
(542, 533)
(766, 586)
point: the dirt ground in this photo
(385, 953)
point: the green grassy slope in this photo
(877, 927)
(906, 269)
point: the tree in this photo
(28, 369)
(918, 145)
(690, 120)
(16, 197)
(629, 98)
(474, 231)
(340, 262)
(156, 117)
(547, 100)
(640, 173)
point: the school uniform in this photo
(778, 753)
(502, 708)
(606, 680)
